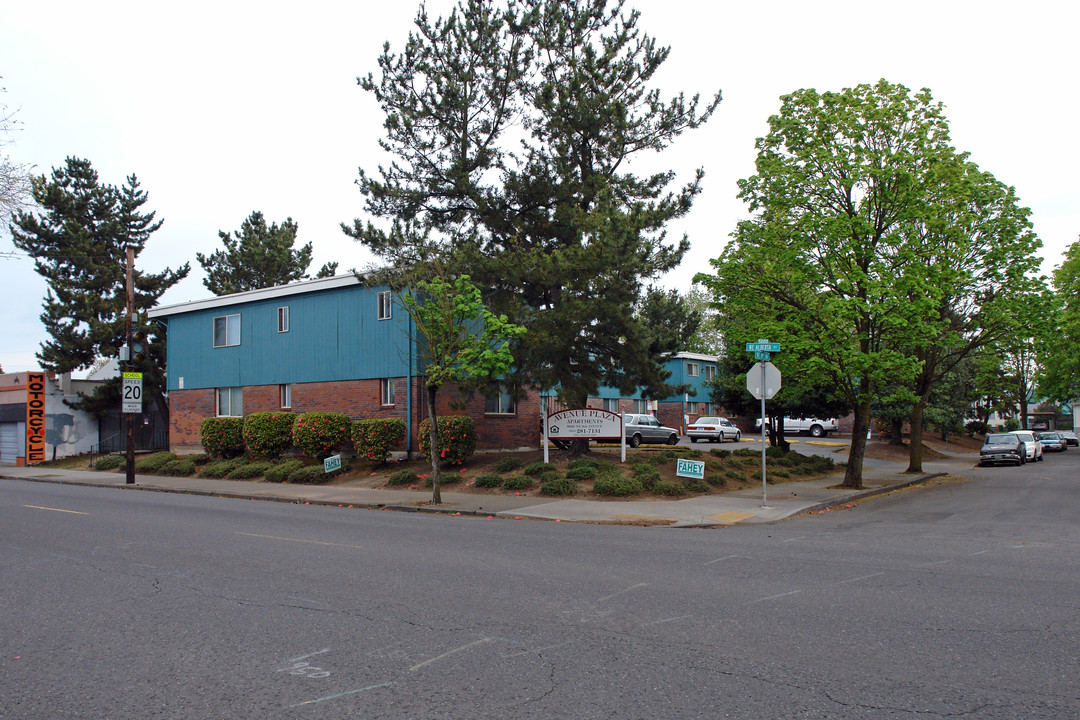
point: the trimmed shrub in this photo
(269, 434)
(780, 473)
(220, 468)
(281, 471)
(109, 462)
(715, 479)
(456, 436)
(249, 470)
(222, 437)
(668, 488)
(558, 486)
(489, 481)
(617, 486)
(717, 452)
(153, 462)
(374, 438)
(310, 474)
(444, 479)
(402, 477)
(320, 434)
(696, 485)
(537, 469)
(597, 463)
(581, 472)
(733, 475)
(181, 467)
(518, 482)
(509, 464)
(648, 475)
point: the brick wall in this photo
(187, 409)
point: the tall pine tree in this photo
(79, 239)
(512, 128)
(258, 256)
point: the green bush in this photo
(598, 463)
(581, 473)
(153, 462)
(321, 434)
(775, 451)
(537, 469)
(181, 467)
(250, 470)
(310, 474)
(374, 438)
(717, 452)
(489, 481)
(509, 464)
(281, 471)
(715, 479)
(109, 462)
(518, 482)
(648, 475)
(222, 437)
(733, 475)
(445, 478)
(269, 434)
(558, 486)
(220, 468)
(1012, 424)
(783, 473)
(402, 477)
(617, 486)
(696, 485)
(668, 488)
(456, 436)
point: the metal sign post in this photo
(763, 389)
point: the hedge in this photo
(223, 437)
(320, 434)
(456, 436)
(373, 439)
(269, 434)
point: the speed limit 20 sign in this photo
(131, 393)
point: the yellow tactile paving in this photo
(729, 517)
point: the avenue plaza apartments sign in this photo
(584, 423)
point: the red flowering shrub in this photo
(268, 434)
(456, 435)
(373, 439)
(320, 434)
(222, 437)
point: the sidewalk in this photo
(740, 507)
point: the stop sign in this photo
(754, 382)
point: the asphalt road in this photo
(953, 600)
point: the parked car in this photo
(818, 427)
(647, 429)
(716, 429)
(1069, 436)
(1052, 441)
(1033, 446)
(1002, 448)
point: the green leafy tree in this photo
(459, 340)
(513, 127)
(709, 337)
(258, 256)
(79, 239)
(1059, 354)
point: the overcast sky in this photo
(221, 108)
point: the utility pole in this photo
(129, 425)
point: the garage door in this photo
(10, 447)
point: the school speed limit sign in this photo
(131, 393)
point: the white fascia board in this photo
(700, 357)
(307, 286)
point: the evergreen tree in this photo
(257, 256)
(512, 130)
(79, 240)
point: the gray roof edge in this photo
(297, 288)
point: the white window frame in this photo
(386, 304)
(501, 404)
(285, 392)
(610, 404)
(235, 401)
(283, 319)
(232, 330)
(708, 371)
(691, 369)
(386, 391)
(641, 407)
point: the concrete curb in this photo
(836, 502)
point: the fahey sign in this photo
(584, 423)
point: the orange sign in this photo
(35, 418)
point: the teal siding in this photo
(698, 391)
(333, 335)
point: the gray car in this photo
(647, 429)
(716, 429)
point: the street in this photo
(956, 599)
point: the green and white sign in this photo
(690, 468)
(331, 463)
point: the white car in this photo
(716, 429)
(1033, 446)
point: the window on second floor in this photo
(708, 371)
(387, 391)
(385, 305)
(227, 330)
(283, 319)
(691, 369)
(230, 402)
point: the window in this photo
(286, 395)
(387, 391)
(692, 369)
(708, 371)
(230, 402)
(499, 402)
(385, 302)
(283, 319)
(611, 404)
(641, 406)
(226, 330)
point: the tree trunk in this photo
(853, 474)
(897, 433)
(915, 451)
(433, 438)
(781, 437)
